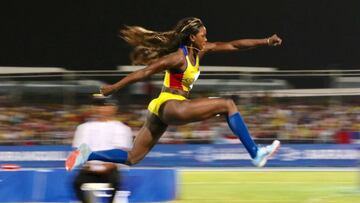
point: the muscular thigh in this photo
(186, 111)
(148, 135)
(155, 126)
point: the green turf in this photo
(269, 186)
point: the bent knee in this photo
(229, 105)
(229, 101)
(132, 160)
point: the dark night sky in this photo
(316, 33)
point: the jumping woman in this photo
(177, 52)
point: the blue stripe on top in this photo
(184, 49)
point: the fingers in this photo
(106, 90)
(276, 41)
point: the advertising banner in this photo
(199, 155)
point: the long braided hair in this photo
(150, 45)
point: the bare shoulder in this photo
(170, 61)
(173, 60)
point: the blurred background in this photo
(39, 108)
(64, 50)
(55, 54)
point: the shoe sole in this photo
(263, 162)
(70, 161)
(277, 146)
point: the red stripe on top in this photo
(176, 80)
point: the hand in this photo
(106, 90)
(274, 40)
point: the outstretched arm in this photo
(241, 44)
(169, 61)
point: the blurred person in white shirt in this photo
(101, 132)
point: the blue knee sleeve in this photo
(239, 128)
(112, 155)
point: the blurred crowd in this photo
(292, 123)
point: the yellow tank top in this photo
(183, 80)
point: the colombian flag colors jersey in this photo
(183, 80)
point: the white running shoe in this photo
(78, 157)
(264, 153)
